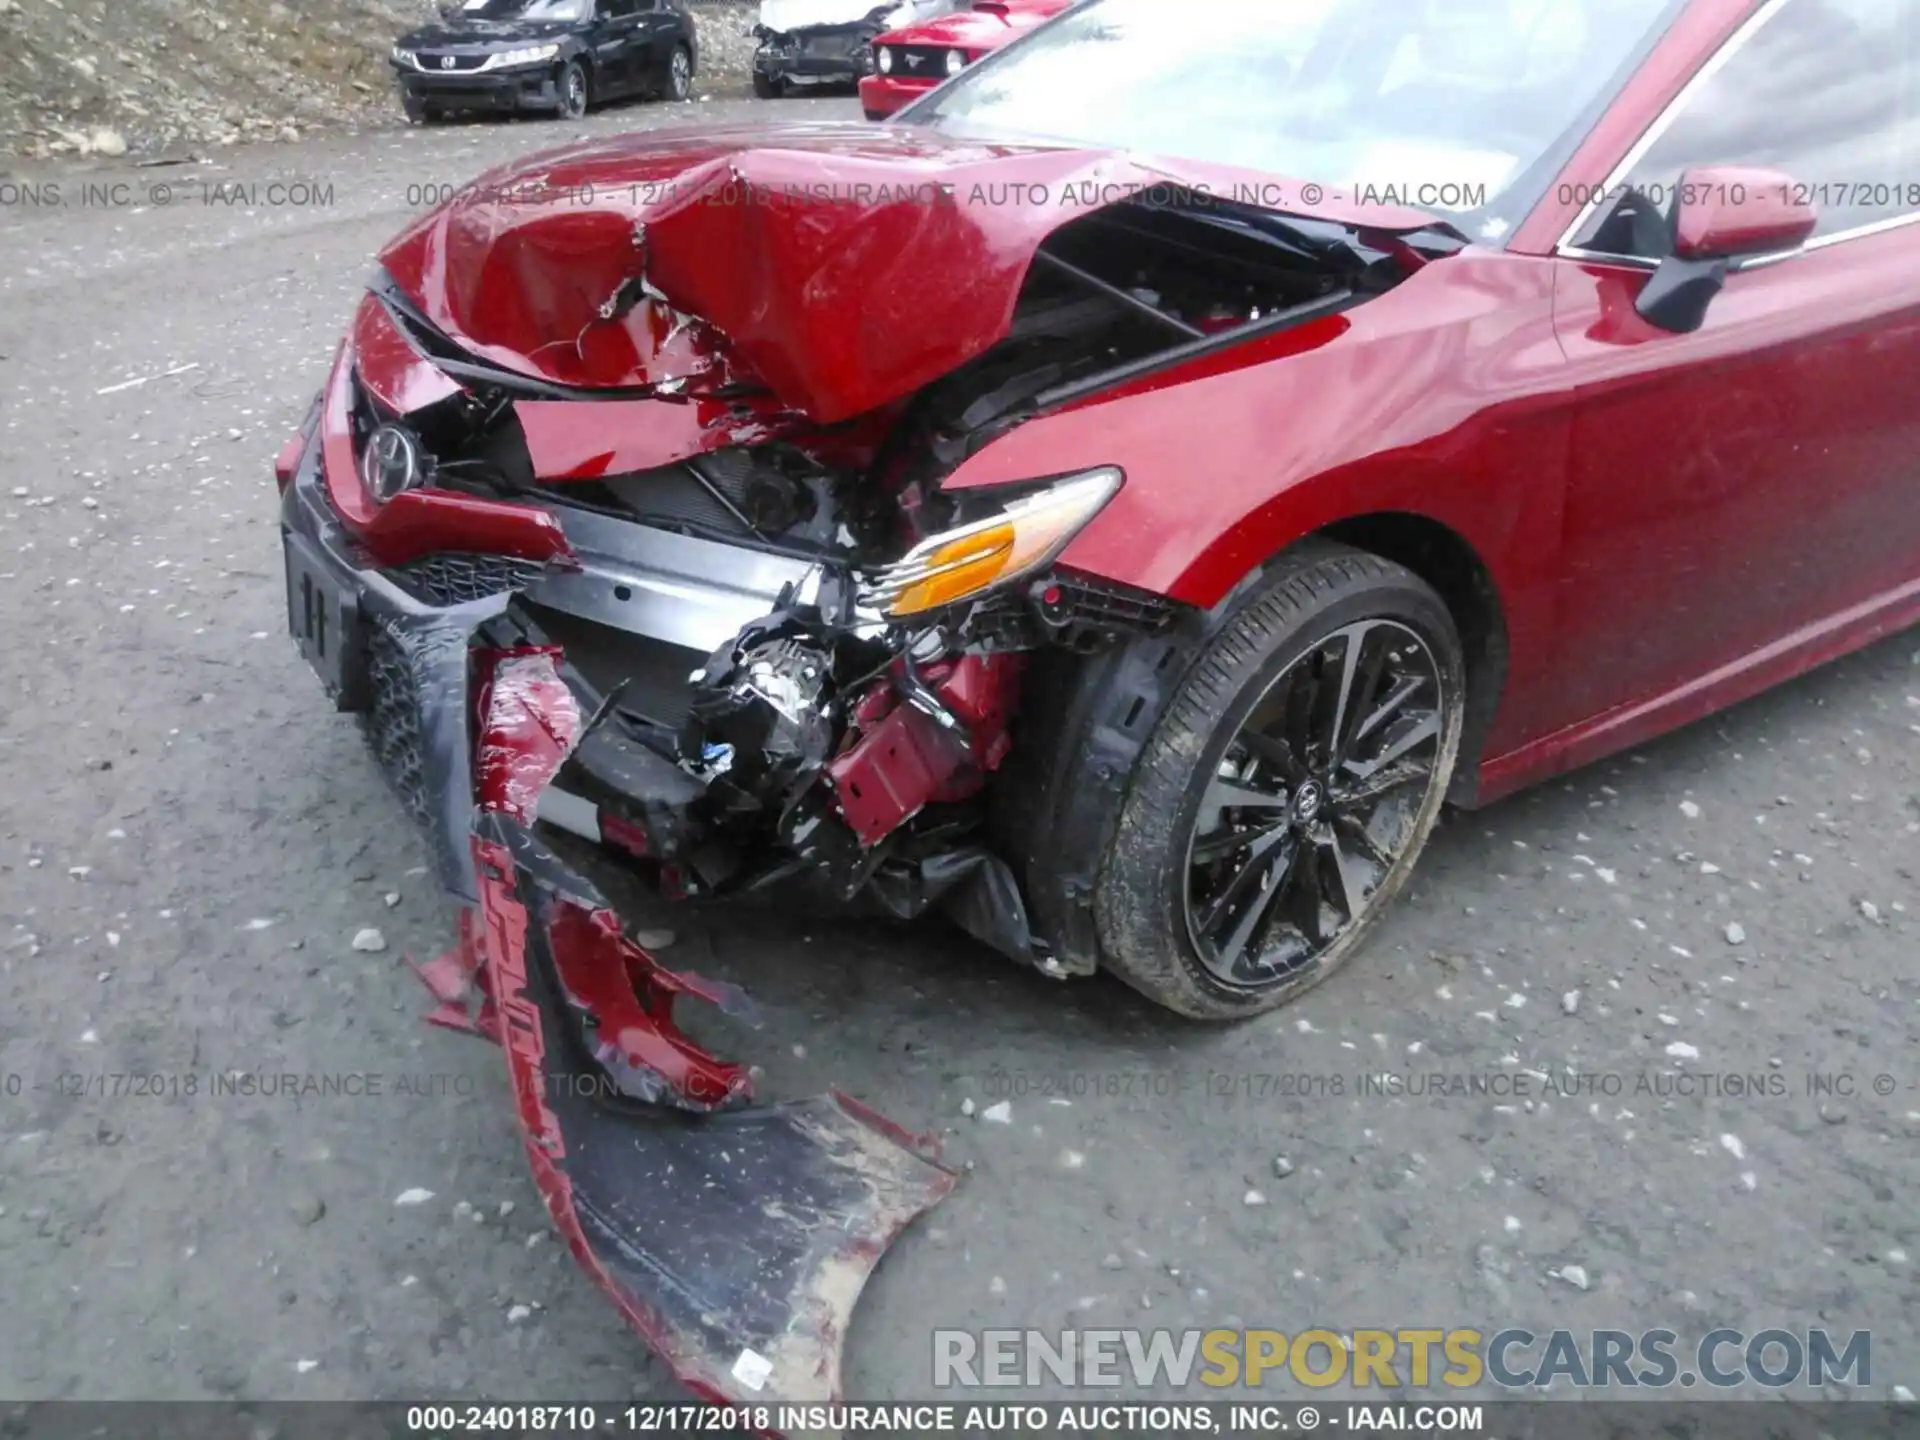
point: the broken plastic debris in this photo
(752, 1369)
(415, 1196)
(1000, 1114)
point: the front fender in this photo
(1441, 398)
(1444, 398)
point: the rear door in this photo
(1743, 486)
(659, 32)
(617, 46)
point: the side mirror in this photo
(1721, 214)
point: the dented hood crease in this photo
(841, 268)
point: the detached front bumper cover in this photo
(736, 1241)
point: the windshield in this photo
(1442, 105)
(525, 9)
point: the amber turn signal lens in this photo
(1027, 535)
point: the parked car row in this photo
(557, 57)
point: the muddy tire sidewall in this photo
(1140, 898)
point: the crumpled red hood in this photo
(841, 266)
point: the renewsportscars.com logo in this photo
(1513, 1359)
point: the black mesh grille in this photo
(393, 722)
(456, 579)
(435, 62)
(920, 62)
(838, 43)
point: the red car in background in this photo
(908, 63)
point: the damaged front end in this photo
(804, 44)
(628, 520)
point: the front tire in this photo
(766, 87)
(1281, 803)
(574, 91)
(679, 73)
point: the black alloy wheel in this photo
(1283, 798)
(1313, 803)
(573, 91)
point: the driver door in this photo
(1738, 492)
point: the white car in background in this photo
(808, 44)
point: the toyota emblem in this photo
(391, 462)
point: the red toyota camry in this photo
(911, 62)
(1116, 508)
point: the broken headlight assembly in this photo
(1025, 535)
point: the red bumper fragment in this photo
(735, 1241)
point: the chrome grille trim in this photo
(676, 588)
